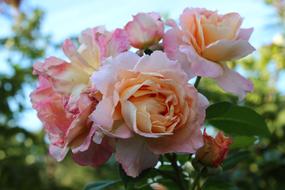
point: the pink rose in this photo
(149, 107)
(67, 129)
(215, 150)
(64, 98)
(144, 30)
(205, 41)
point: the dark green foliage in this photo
(236, 120)
(100, 185)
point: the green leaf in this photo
(182, 158)
(235, 158)
(236, 120)
(100, 185)
(130, 182)
(125, 178)
(217, 184)
(242, 142)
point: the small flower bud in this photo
(145, 30)
(214, 150)
(158, 186)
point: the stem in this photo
(161, 160)
(196, 182)
(197, 81)
(166, 175)
(179, 177)
(148, 51)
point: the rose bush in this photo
(140, 106)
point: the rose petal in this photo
(233, 82)
(65, 78)
(162, 65)
(244, 34)
(84, 142)
(134, 156)
(218, 27)
(103, 117)
(129, 113)
(96, 155)
(118, 43)
(103, 114)
(57, 152)
(184, 140)
(89, 48)
(119, 130)
(107, 75)
(199, 65)
(227, 50)
(144, 30)
(171, 42)
(70, 51)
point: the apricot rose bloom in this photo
(204, 41)
(215, 150)
(144, 30)
(64, 98)
(149, 107)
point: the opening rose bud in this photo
(215, 150)
(144, 30)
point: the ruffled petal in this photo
(75, 57)
(134, 156)
(233, 82)
(244, 34)
(185, 140)
(107, 75)
(162, 65)
(118, 43)
(96, 155)
(103, 114)
(227, 50)
(199, 65)
(171, 42)
(57, 152)
(64, 77)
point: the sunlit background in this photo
(31, 30)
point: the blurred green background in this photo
(24, 161)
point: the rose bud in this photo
(158, 186)
(215, 150)
(145, 30)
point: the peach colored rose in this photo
(64, 98)
(149, 107)
(215, 150)
(205, 41)
(144, 30)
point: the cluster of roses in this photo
(107, 99)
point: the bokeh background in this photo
(31, 30)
